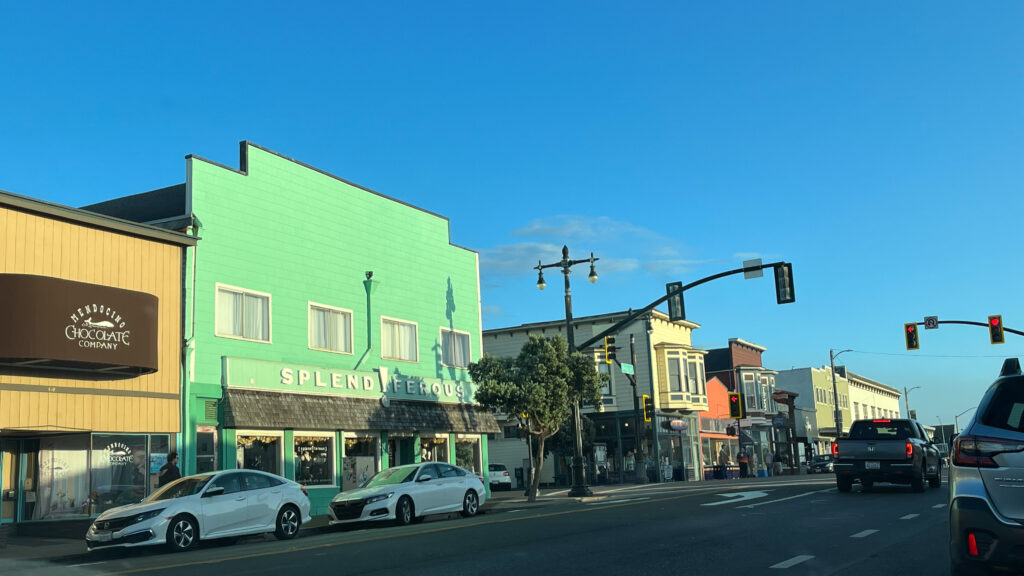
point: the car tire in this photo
(937, 480)
(917, 483)
(288, 523)
(405, 511)
(844, 484)
(470, 504)
(182, 533)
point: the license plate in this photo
(101, 536)
(871, 465)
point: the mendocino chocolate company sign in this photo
(54, 323)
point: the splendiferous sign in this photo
(54, 323)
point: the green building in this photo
(328, 328)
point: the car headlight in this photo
(379, 497)
(145, 516)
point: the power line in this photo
(916, 355)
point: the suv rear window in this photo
(1006, 408)
(496, 467)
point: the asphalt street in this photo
(787, 526)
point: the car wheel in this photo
(288, 523)
(470, 503)
(182, 534)
(844, 484)
(917, 482)
(404, 511)
(937, 480)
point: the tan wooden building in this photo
(90, 358)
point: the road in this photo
(787, 526)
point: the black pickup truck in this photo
(887, 450)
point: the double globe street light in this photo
(579, 483)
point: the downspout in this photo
(187, 352)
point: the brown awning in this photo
(265, 409)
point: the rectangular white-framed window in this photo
(398, 340)
(676, 371)
(242, 314)
(455, 348)
(604, 368)
(314, 458)
(260, 450)
(692, 380)
(330, 328)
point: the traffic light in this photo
(910, 330)
(676, 306)
(648, 407)
(735, 405)
(609, 349)
(784, 293)
(995, 329)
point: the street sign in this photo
(931, 322)
(626, 368)
(780, 422)
(752, 269)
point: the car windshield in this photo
(392, 476)
(823, 458)
(179, 488)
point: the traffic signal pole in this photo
(640, 461)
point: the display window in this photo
(314, 458)
(467, 453)
(434, 449)
(360, 461)
(259, 451)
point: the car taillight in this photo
(910, 450)
(979, 450)
(835, 449)
(505, 473)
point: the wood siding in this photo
(36, 244)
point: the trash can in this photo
(519, 479)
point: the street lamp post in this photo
(579, 482)
(956, 419)
(838, 415)
(906, 398)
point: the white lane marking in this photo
(735, 497)
(939, 506)
(792, 561)
(86, 564)
(909, 516)
(863, 534)
(782, 499)
(617, 501)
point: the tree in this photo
(538, 388)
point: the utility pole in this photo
(640, 466)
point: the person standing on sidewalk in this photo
(768, 462)
(741, 457)
(723, 462)
(169, 472)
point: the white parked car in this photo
(500, 480)
(408, 493)
(203, 507)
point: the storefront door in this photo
(8, 480)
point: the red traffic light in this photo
(994, 320)
(911, 328)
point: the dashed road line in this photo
(939, 506)
(793, 561)
(909, 516)
(863, 534)
(605, 502)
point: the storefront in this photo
(90, 349)
(332, 429)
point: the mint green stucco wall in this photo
(301, 236)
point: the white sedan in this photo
(203, 507)
(407, 494)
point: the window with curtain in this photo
(675, 371)
(243, 314)
(330, 329)
(398, 340)
(454, 348)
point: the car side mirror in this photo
(215, 491)
(425, 478)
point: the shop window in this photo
(434, 449)
(454, 348)
(330, 329)
(258, 452)
(467, 454)
(243, 314)
(120, 469)
(56, 484)
(360, 462)
(159, 447)
(398, 340)
(206, 450)
(314, 456)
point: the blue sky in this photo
(875, 145)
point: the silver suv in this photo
(986, 480)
